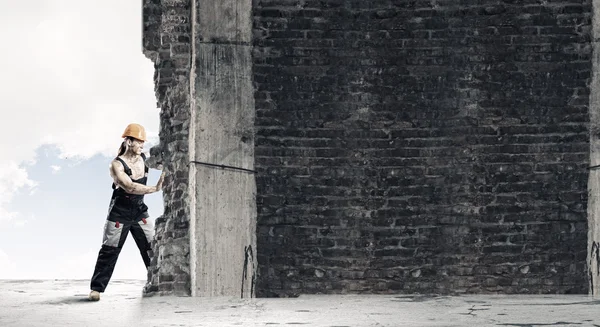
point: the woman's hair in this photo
(123, 147)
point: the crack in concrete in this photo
(595, 248)
(471, 310)
(248, 257)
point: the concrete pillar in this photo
(222, 200)
(593, 258)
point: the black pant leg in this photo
(113, 240)
(142, 233)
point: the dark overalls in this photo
(126, 213)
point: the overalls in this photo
(126, 213)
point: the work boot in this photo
(94, 296)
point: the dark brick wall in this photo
(432, 146)
(166, 39)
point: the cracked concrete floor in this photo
(64, 303)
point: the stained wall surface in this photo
(401, 146)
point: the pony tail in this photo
(122, 149)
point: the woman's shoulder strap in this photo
(127, 169)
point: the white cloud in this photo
(55, 169)
(75, 77)
(7, 216)
(12, 179)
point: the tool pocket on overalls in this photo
(112, 233)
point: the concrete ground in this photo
(61, 303)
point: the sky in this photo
(73, 76)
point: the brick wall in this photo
(422, 146)
(166, 39)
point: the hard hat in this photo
(136, 131)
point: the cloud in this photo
(12, 179)
(55, 169)
(6, 215)
(75, 77)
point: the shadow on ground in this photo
(67, 300)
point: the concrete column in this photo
(593, 258)
(222, 201)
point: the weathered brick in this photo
(166, 39)
(395, 129)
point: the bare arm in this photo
(124, 181)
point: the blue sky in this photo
(74, 77)
(60, 229)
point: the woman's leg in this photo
(113, 239)
(143, 234)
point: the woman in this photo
(127, 211)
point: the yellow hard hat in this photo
(136, 131)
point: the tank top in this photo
(127, 207)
